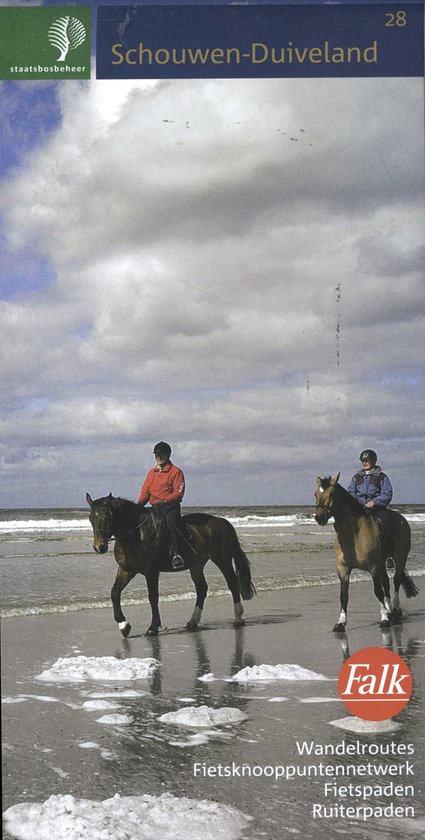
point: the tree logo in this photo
(66, 33)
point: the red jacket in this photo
(163, 485)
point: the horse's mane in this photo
(351, 501)
(118, 503)
(348, 499)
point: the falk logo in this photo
(375, 684)
(66, 33)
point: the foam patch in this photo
(136, 817)
(365, 727)
(100, 668)
(203, 716)
(267, 673)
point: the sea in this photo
(48, 564)
(87, 730)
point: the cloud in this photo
(233, 265)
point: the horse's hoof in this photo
(385, 623)
(192, 626)
(125, 629)
(396, 616)
(152, 631)
(338, 628)
(239, 622)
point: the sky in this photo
(232, 266)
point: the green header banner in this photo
(45, 42)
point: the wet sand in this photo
(46, 733)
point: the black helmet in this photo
(368, 455)
(162, 448)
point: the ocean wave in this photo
(282, 520)
(265, 585)
(268, 585)
(243, 522)
(43, 525)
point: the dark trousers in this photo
(383, 515)
(173, 518)
(168, 524)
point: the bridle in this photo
(328, 509)
(102, 524)
(106, 528)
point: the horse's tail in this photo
(410, 588)
(243, 569)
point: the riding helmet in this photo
(162, 448)
(368, 455)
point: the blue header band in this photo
(262, 41)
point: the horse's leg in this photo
(344, 580)
(402, 541)
(386, 587)
(378, 573)
(201, 586)
(232, 582)
(152, 581)
(121, 580)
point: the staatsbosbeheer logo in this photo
(375, 683)
(45, 42)
(66, 33)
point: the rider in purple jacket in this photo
(373, 489)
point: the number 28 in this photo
(396, 19)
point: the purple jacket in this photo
(373, 486)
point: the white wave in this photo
(39, 525)
(138, 817)
(248, 522)
(270, 585)
(258, 521)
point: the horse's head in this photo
(101, 518)
(325, 498)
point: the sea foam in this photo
(268, 673)
(203, 716)
(121, 817)
(100, 668)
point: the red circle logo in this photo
(375, 683)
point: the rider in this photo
(373, 489)
(164, 488)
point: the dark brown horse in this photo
(137, 550)
(358, 545)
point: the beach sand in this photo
(53, 744)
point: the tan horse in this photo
(137, 551)
(358, 545)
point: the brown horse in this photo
(137, 550)
(358, 545)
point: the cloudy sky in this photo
(233, 266)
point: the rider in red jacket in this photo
(164, 488)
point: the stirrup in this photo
(177, 562)
(390, 563)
